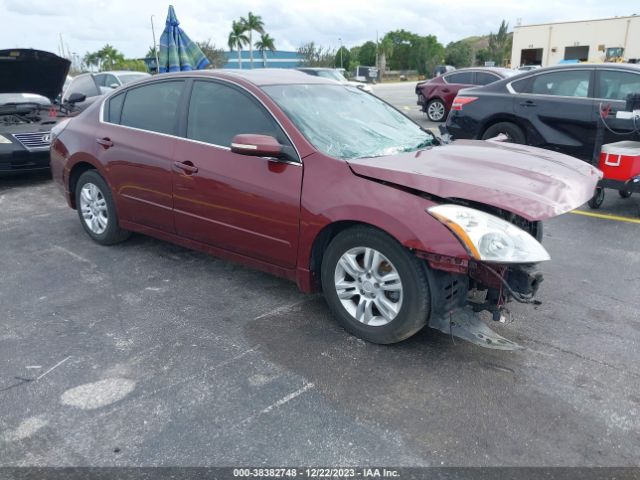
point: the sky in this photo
(87, 25)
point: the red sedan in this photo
(322, 184)
(435, 96)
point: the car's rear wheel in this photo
(374, 287)
(436, 111)
(96, 209)
(513, 132)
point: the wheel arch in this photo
(80, 166)
(506, 118)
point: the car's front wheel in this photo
(436, 111)
(374, 287)
(97, 210)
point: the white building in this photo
(589, 41)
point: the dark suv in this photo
(555, 108)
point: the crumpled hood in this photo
(533, 183)
(32, 71)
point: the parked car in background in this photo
(556, 108)
(334, 74)
(528, 68)
(436, 95)
(93, 85)
(393, 226)
(30, 81)
(442, 69)
(114, 79)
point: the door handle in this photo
(528, 103)
(186, 166)
(105, 142)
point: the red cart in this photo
(620, 163)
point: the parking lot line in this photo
(606, 216)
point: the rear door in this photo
(454, 82)
(245, 204)
(137, 137)
(558, 107)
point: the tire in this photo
(436, 110)
(96, 209)
(625, 193)
(409, 296)
(511, 130)
(597, 199)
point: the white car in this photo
(110, 80)
(334, 74)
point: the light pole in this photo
(155, 49)
(340, 40)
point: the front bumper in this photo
(461, 290)
(23, 161)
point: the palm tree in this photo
(251, 23)
(237, 39)
(265, 43)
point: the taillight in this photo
(460, 102)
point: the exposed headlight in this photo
(4, 139)
(488, 237)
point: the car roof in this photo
(259, 77)
(122, 72)
(573, 66)
(499, 70)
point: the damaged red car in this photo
(325, 185)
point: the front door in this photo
(612, 88)
(559, 107)
(248, 205)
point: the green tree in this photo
(343, 58)
(500, 44)
(151, 53)
(215, 55)
(385, 50)
(131, 64)
(367, 54)
(313, 55)
(252, 23)
(265, 43)
(104, 59)
(426, 52)
(458, 54)
(237, 39)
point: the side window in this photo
(521, 86)
(459, 77)
(219, 112)
(152, 107)
(85, 85)
(569, 83)
(100, 80)
(110, 80)
(484, 78)
(115, 108)
(616, 85)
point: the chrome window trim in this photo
(222, 80)
(513, 92)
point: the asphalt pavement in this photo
(146, 353)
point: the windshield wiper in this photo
(427, 142)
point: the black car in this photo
(555, 108)
(30, 80)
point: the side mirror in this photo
(256, 145)
(114, 85)
(76, 98)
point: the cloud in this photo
(87, 25)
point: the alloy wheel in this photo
(435, 111)
(94, 208)
(368, 286)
